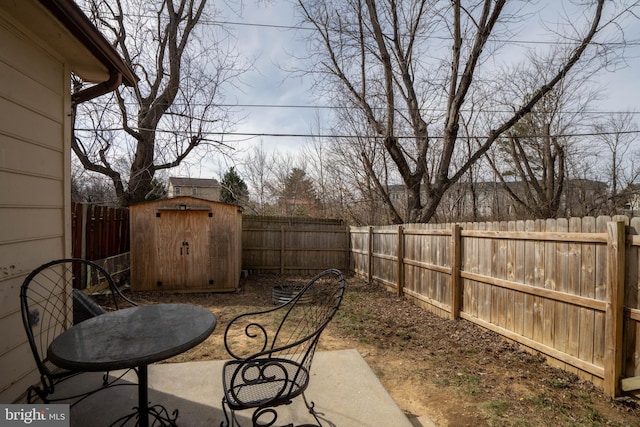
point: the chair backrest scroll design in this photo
(290, 331)
(47, 306)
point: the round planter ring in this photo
(282, 294)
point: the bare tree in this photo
(411, 67)
(170, 113)
(257, 169)
(321, 170)
(338, 176)
(89, 188)
(620, 155)
(370, 189)
(532, 160)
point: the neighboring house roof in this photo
(193, 182)
(72, 34)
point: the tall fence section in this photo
(288, 245)
(101, 234)
(567, 288)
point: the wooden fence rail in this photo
(567, 288)
(293, 245)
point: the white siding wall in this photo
(34, 185)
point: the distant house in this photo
(488, 200)
(43, 43)
(631, 199)
(208, 189)
(584, 197)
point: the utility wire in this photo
(341, 136)
(493, 39)
(346, 107)
(215, 22)
(432, 36)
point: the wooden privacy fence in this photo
(99, 232)
(293, 245)
(567, 288)
(269, 244)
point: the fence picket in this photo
(600, 290)
(573, 287)
(549, 280)
(632, 300)
(561, 312)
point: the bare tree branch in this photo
(370, 57)
(166, 116)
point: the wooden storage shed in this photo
(185, 244)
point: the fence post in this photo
(282, 249)
(78, 231)
(400, 289)
(370, 256)
(456, 289)
(83, 230)
(348, 256)
(613, 354)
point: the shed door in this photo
(183, 249)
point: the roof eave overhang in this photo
(77, 23)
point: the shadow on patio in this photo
(345, 390)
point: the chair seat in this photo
(260, 382)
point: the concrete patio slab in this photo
(344, 388)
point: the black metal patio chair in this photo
(55, 296)
(273, 351)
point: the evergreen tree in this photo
(234, 190)
(298, 197)
(157, 190)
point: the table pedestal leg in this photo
(143, 411)
(143, 396)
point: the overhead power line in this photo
(344, 136)
(436, 37)
(347, 107)
(554, 42)
(439, 110)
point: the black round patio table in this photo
(132, 338)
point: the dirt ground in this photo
(455, 372)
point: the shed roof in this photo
(191, 202)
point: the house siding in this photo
(34, 184)
(208, 189)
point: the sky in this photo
(268, 84)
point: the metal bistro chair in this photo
(282, 341)
(55, 296)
